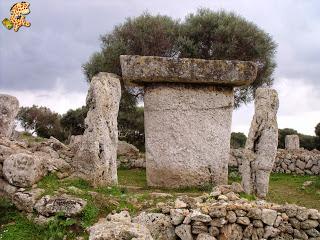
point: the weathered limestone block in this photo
(69, 205)
(9, 107)
(96, 158)
(261, 145)
(187, 132)
(23, 170)
(292, 142)
(145, 69)
(118, 230)
(188, 110)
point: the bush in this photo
(238, 140)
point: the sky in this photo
(42, 64)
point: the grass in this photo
(133, 195)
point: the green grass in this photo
(285, 188)
(27, 137)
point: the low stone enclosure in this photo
(302, 162)
(222, 215)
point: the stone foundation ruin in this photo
(188, 112)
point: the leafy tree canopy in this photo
(42, 121)
(317, 130)
(206, 34)
(238, 140)
(73, 121)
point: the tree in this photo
(206, 34)
(42, 121)
(131, 127)
(317, 130)
(73, 121)
(143, 35)
(238, 140)
(222, 35)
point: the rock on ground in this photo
(23, 170)
(9, 107)
(261, 145)
(96, 158)
(127, 149)
(69, 205)
(159, 225)
(113, 230)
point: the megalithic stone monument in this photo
(188, 106)
(261, 145)
(292, 142)
(96, 158)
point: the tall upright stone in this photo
(188, 107)
(261, 144)
(292, 142)
(96, 158)
(9, 108)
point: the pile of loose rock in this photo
(299, 161)
(129, 156)
(219, 215)
(23, 165)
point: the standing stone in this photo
(292, 142)
(261, 145)
(188, 106)
(96, 158)
(9, 108)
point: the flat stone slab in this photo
(141, 70)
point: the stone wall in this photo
(222, 215)
(287, 161)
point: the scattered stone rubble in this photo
(261, 145)
(23, 165)
(222, 214)
(188, 111)
(95, 160)
(128, 156)
(302, 161)
(9, 107)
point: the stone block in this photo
(141, 70)
(292, 142)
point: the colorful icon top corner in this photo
(17, 17)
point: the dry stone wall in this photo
(287, 161)
(222, 215)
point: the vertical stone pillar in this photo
(292, 142)
(261, 145)
(96, 158)
(9, 108)
(188, 112)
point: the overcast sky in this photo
(42, 64)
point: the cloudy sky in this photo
(42, 64)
